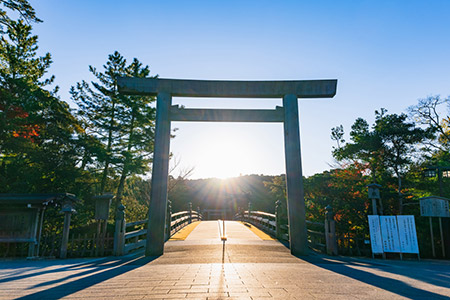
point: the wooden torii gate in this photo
(290, 91)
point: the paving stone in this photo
(247, 268)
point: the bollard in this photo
(119, 233)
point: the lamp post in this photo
(374, 195)
(441, 171)
(68, 209)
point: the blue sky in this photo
(383, 53)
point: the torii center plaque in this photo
(289, 91)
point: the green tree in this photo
(38, 151)
(124, 125)
(386, 149)
(22, 7)
(400, 139)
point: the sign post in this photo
(395, 234)
(435, 206)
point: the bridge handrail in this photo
(136, 223)
(126, 242)
(181, 219)
(268, 222)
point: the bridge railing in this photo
(321, 236)
(181, 219)
(129, 237)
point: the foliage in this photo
(36, 128)
(387, 149)
(121, 127)
(21, 7)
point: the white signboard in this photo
(407, 234)
(434, 207)
(389, 234)
(375, 234)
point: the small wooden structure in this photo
(22, 216)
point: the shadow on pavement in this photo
(345, 266)
(103, 270)
(47, 263)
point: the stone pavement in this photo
(247, 267)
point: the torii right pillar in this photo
(298, 239)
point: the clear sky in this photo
(383, 53)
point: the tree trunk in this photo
(108, 151)
(126, 163)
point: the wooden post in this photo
(160, 174)
(442, 237)
(41, 222)
(168, 220)
(432, 238)
(34, 230)
(294, 180)
(119, 233)
(190, 212)
(65, 237)
(98, 239)
(249, 211)
(330, 232)
(278, 219)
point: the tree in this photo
(434, 113)
(399, 139)
(22, 7)
(124, 125)
(366, 147)
(37, 149)
(387, 148)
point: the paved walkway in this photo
(248, 267)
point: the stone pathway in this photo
(247, 267)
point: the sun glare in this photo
(226, 155)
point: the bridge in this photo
(199, 264)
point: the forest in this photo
(105, 145)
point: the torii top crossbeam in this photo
(228, 89)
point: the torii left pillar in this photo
(160, 175)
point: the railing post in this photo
(198, 213)
(190, 212)
(249, 211)
(330, 232)
(168, 220)
(119, 233)
(278, 219)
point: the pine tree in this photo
(123, 124)
(36, 128)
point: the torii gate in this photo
(165, 89)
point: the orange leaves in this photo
(27, 132)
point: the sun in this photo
(226, 155)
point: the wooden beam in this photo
(227, 115)
(230, 89)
